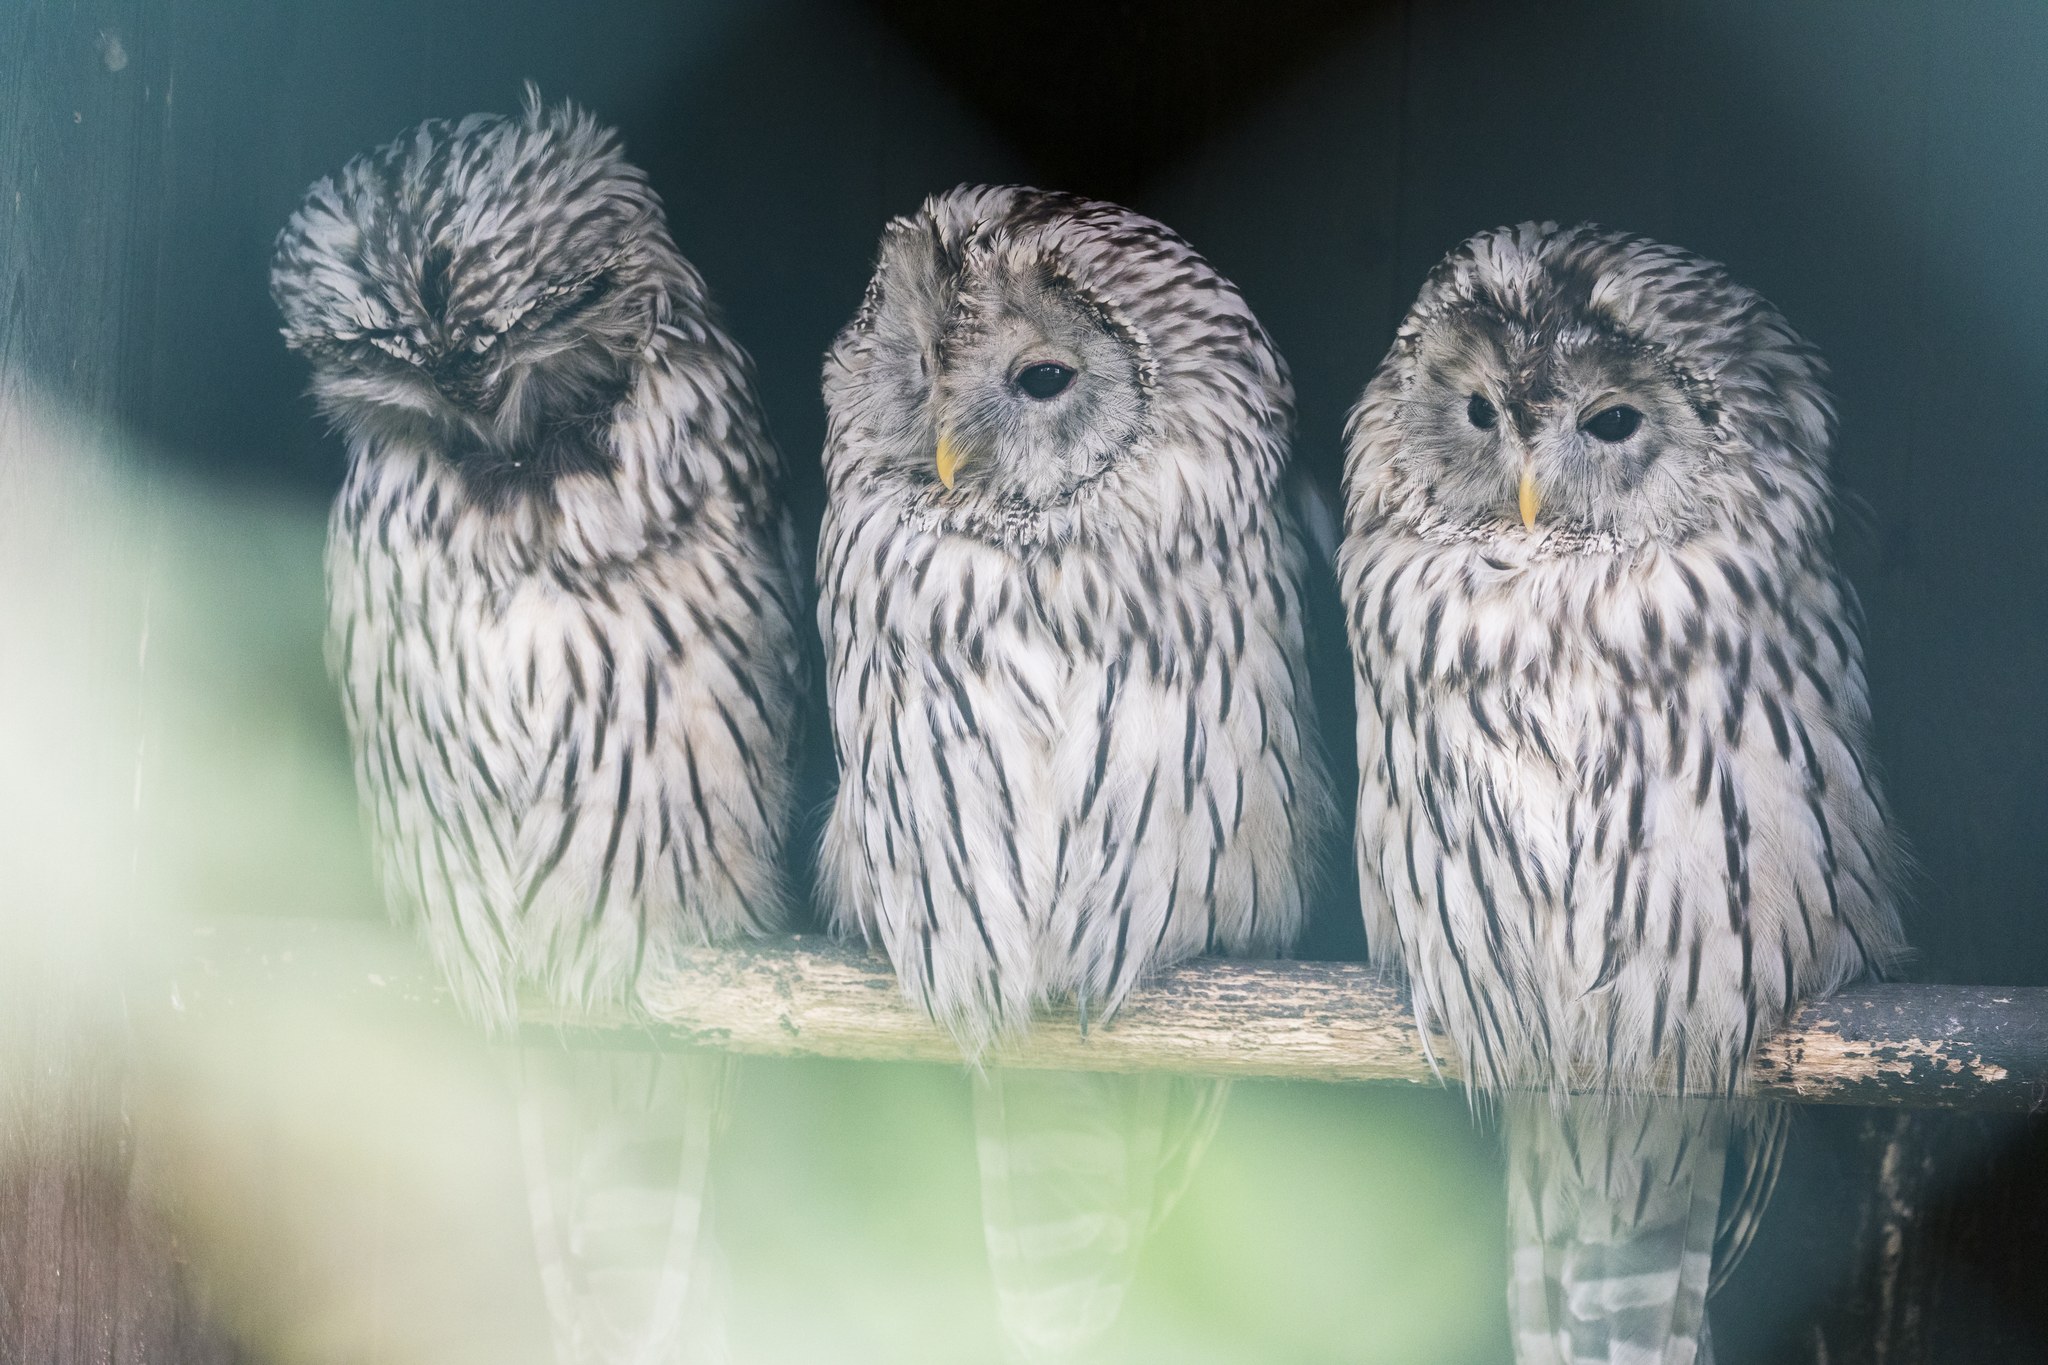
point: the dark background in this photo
(1878, 168)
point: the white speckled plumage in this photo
(1616, 810)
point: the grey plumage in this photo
(1063, 637)
(1616, 809)
(562, 587)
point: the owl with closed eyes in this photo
(564, 620)
(1062, 616)
(1617, 816)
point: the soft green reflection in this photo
(1324, 1224)
(343, 1171)
(1338, 1223)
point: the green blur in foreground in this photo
(342, 1175)
(1326, 1223)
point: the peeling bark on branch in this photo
(1891, 1045)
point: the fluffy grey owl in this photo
(564, 622)
(1064, 647)
(1616, 814)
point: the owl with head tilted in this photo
(1617, 816)
(1062, 618)
(563, 615)
(563, 595)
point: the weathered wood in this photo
(1894, 1045)
(1295, 1020)
(1966, 1047)
(91, 1268)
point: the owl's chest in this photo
(520, 669)
(1027, 682)
(512, 695)
(1550, 754)
(1493, 688)
(1034, 661)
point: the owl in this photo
(1617, 816)
(1062, 616)
(563, 596)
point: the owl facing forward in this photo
(1061, 612)
(1616, 810)
(563, 599)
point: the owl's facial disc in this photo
(1035, 393)
(1583, 431)
(1040, 380)
(514, 401)
(1612, 425)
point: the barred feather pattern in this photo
(564, 603)
(617, 1148)
(1617, 817)
(1068, 697)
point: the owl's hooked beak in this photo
(1531, 501)
(948, 459)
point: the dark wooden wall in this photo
(1877, 167)
(90, 1270)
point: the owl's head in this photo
(482, 287)
(1019, 351)
(1596, 384)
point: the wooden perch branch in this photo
(1936, 1046)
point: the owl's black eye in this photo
(1617, 423)
(1480, 413)
(1047, 379)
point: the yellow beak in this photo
(949, 459)
(1531, 503)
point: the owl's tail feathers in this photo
(1757, 1150)
(1077, 1169)
(1613, 1210)
(617, 1148)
